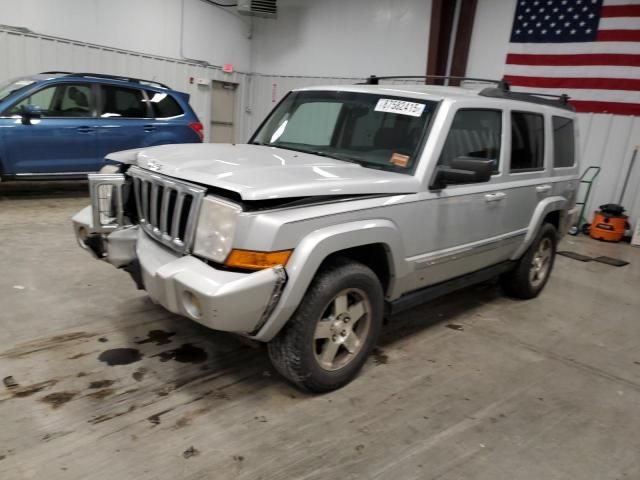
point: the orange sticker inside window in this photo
(400, 160)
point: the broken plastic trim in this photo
(275, 297)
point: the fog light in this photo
(192, 304)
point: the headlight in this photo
(215, 229)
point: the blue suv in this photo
(61, 124)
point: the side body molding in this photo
(317, 246)
(546, 206)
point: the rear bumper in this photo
(569, 220)
(185, 285)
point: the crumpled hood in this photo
(258, 172)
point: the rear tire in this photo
(329, 337)
(532, 271)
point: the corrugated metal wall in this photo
(268, 91)
(27, 53)
(607, 141)
(23, 53)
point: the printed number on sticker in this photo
(400, 107)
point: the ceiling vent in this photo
(258, 8)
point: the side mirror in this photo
(463, 170)
(29, 112)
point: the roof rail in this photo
(501, 90)
(558, 101)
(375, 80)
(110, 77)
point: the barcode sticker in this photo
(400, 107)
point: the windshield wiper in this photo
(322, 153)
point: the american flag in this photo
(588, 49)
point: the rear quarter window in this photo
(527, 142)
(122, 102)
(163, 105)
(564, 154)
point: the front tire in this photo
(329, 337)
(532, 271)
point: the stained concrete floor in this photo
(472, 386)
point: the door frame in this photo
(233, 124)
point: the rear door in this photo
(63, 140)
(464, 227)
(123, 119)
(527, 173)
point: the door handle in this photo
(85, 130)
(494, 197)
(149, 128)
(543, 188)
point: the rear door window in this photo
(163, 105)
(122, 102)
(527, 142)
(563, 142)
(475, 133)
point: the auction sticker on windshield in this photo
(401, 107)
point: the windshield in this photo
(374, 130)
(11, 86)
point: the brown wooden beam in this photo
(463, 40)
(442, 15)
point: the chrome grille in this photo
(167, 208)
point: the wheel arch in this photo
(356, 240)
(550, 210)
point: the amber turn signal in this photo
(251, 260)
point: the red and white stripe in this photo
(601, 76)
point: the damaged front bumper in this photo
(183, 284)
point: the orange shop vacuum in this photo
(609, 223)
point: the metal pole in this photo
(629, 170)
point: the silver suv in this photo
(348, 205)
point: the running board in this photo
(418, 297)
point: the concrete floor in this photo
(472, 386)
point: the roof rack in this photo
(109, 77)
(558, 101)
(501, 90)
(375, 80)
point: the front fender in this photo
(316, 247)
(546, 206)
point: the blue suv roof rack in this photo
(108, 77)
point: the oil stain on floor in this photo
(186, 353)
(159, 337)
(120, 356)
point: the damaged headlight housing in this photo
(215, 229)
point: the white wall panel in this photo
(343, 38)
(608, 141)
(263, 99)
(213, 34)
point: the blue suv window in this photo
(123, 102)
(163, 105)
(62, 100)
